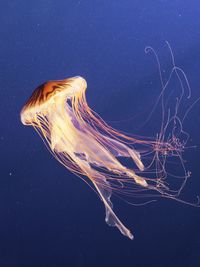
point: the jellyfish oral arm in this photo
(122, 150)
(111, 218)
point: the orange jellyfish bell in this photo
(50, 93)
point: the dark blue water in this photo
(48, 216)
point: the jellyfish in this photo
(76, 137)
(90, 148)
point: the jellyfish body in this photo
(58, 111)
(80, 140)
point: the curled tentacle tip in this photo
(146, 49)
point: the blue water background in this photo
(48, 216)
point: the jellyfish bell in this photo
(49, 94)
(47, 103)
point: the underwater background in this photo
(48, 216)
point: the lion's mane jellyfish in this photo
(87, 146)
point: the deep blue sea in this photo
(48, 216)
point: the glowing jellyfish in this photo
(80, 140)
